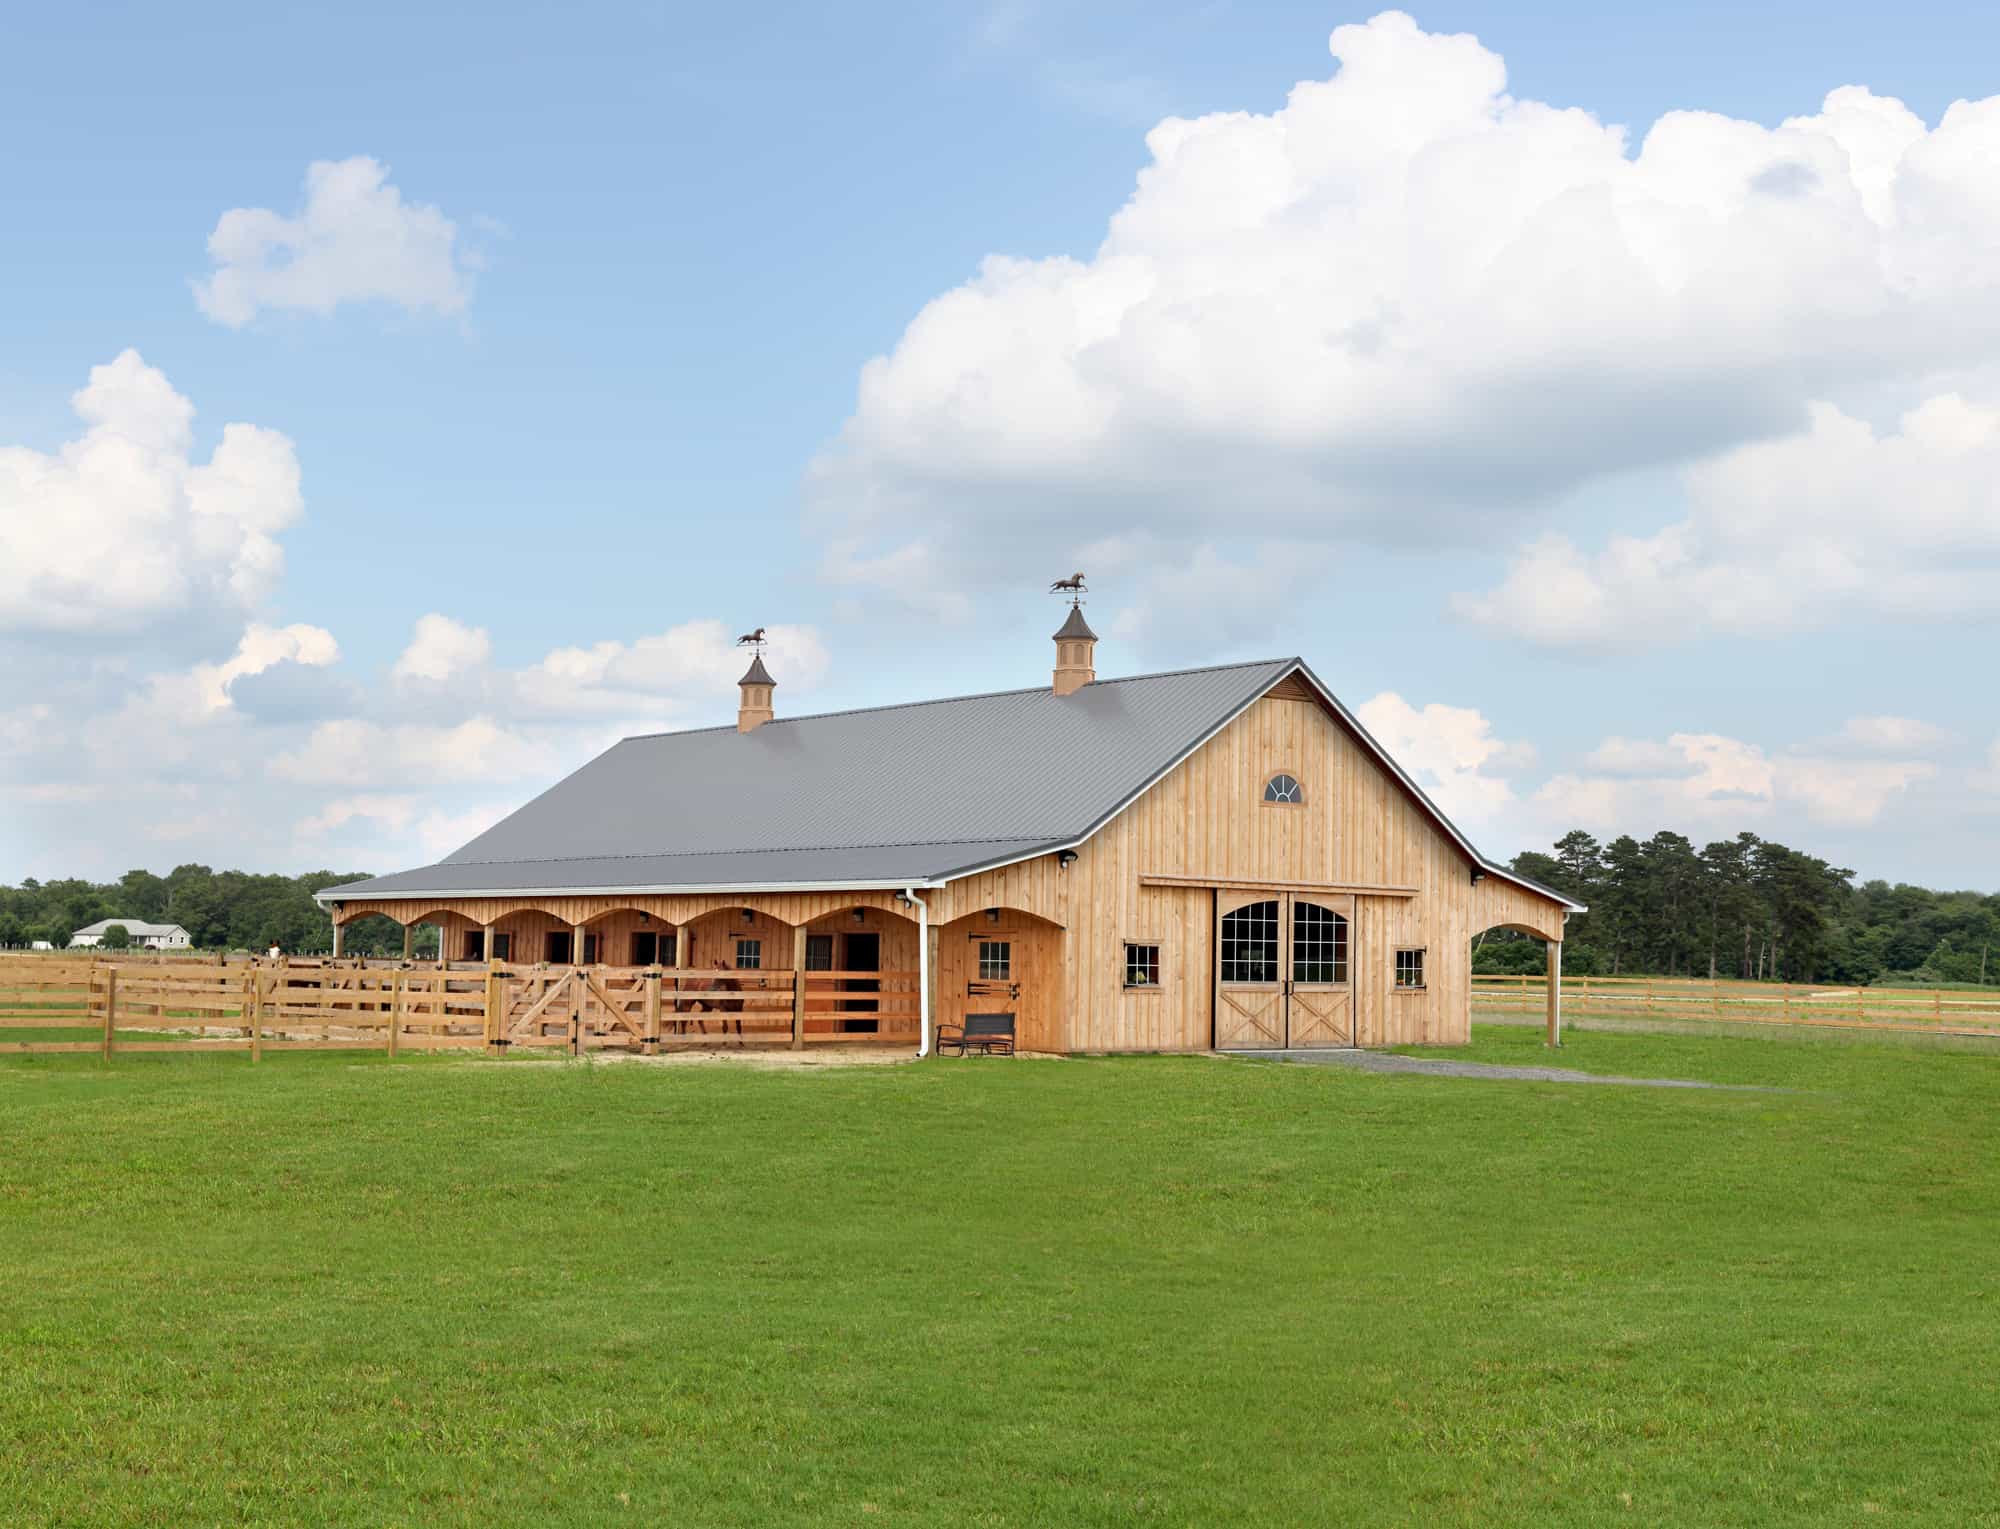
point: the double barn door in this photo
(1281, 971)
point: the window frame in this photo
(986, 966)
(749, 953)
(1158, 962)
(1298, 785)
(1396, 982)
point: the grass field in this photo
(1184, 1291)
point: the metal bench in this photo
(984, 1033)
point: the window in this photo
(996, 961)
(750, 954)
(1319, 944)
(503, 947)
(555, 947)
(1250, 943)
(819, 952)
(475, 945)
(1284, 788)
(646, 947)
(1142, 966)
(590, 950)
(1409, 969)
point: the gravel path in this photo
(1438, 1067)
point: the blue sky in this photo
(620, 400)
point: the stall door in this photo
(1282, 972)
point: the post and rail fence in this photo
(1930, 1011)
(259, 1005)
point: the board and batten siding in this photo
(1358, 828)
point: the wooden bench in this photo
(984, 1033)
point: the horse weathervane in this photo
(1073, 586)
(752, 640)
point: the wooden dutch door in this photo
(1281, 971)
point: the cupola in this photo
(1076, 653)
(754, 710)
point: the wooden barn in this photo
(1216, 858)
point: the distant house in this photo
(1206, 859)
(41, 945)
(145, 936)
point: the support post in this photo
(110, 1007)
(339, 929)
(576, 945)
(409, 941)
(256, 1015)
(1555, 987)
(799, 988)
(486, 943)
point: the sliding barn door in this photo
(1281, 971)
(1249, 972)
(1319, 1008)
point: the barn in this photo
(1207, 859)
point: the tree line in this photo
(221, 910)
(1750, 909)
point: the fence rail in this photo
(1934, 1011)
(259, 1006)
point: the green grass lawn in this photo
(1189, 1291)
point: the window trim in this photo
(1287, 773)
(1396, 983)
(1159, 982)
(755, 963)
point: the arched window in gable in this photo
(1284, 788)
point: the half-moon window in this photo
(1282, 788)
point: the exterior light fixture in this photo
(749, 917)
(1065, 858)
(860, 916)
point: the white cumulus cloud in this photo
(354, 239)
(1409, 305)
(1451, 751)
(122, 529)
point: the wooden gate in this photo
(574, 1007)
(1281, 971)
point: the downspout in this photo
(923, 971)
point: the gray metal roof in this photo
(889, 796)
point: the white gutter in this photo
(923, 971)
(690, 889)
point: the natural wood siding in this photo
(1358, 831)
(1358, 827)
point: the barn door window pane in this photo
(750, 954)
(646, 947)
(819, 952)
(503, 947)
(1319, 944)
(996, 961)
(555, 947)
(1250, 944)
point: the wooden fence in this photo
(259, 1006)
(1933, 1011)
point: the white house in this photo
(145, 936)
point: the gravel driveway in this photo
(1439, 1067)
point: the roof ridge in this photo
(977, 695)
(787, 849)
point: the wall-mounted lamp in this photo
(645, 918)
(860, 916)
(1065, 858)
(992, 915)
(749, 917)
(1477, 876)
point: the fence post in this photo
(1715, 998)
(652, 1036)
(395, 1007)
(493, 1006)
(1937, 1006)
(256, 1014)
(110, 1007)
(799, 990)
(1785, 1002)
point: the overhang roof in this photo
(891, 796)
